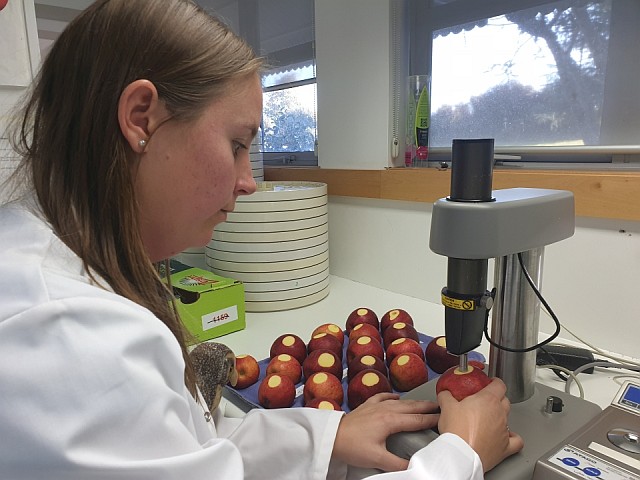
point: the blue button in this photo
(592, 472)
(572, 462)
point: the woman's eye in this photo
(237, 146)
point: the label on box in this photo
(219, 317)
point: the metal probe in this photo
(463, 366)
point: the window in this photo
(283, 32)
(550, 81)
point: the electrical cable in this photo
(546, 306)
(571, 375)
(593, 348)
(584, 367)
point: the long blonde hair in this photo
(73, 152)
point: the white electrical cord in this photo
(571, 374)
(587, 366)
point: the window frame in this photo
(424, 19)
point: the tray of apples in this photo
(341, 368)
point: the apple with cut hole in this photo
(285, 364)
(276, 391)
(248, 371)
(364, 329)
(364, 346)
(393, 316)
(437, 357)
(462, 384)
(364, 362)
(323, 385)
(399, 330)
(331, 329)
(322, 361)
(408, 371)
(325, 341)
(324, 404)
(364, 385)
(290, 344)
(403, 345)
(361, 315)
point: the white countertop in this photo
(345, 296)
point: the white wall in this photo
(590, 280)
(352, 51)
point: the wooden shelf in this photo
(599, 194)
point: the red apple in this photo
(331, 329)
(323, 385)
(478, 364)
(408, 371)
(364, 346)
(325, 341)
(3, 3)
(403, 345)
(393, 316)
(462, 384)
(361, 315)
(276, 391)
(290, 344)
(437, 356)
(322, 361)
(248, 371)
(324, 404)
(399, 330)
(364, 362)
(364, 329)
(285, 364)
(364, 385)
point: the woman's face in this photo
(191, 173)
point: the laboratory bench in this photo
(345, 296)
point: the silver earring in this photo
(142, 143)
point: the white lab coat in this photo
(91, 388)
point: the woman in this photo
(134, 146)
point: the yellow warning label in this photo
(458, 304)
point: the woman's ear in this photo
(140, 112)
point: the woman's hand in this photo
(362, 434)
(481, 421)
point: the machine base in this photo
(540, 430)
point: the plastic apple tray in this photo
(248, 397)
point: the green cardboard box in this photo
(208, 304)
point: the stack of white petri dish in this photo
(277, 243)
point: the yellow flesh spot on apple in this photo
(398, 341)
(274, 381)
(368, 360)
(288, 341)
(393, 314)
(335, 329)
(320, 335)
(363, 340)
(403, 359)
(457, 371)
(370, 379)
(362, 311)
(320, 377)
(358, 327)
(285, 357)
(241, 356)
(399, 325)
(441, 342)
(324, 405)
(326, 360)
